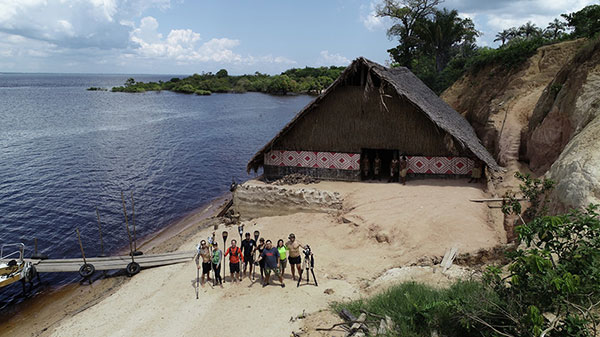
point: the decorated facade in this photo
(373, 112)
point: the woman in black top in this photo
(259, 248)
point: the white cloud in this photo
(327, 59)
(181, 45)
(185, 46)
(74, 23)
(369, 17)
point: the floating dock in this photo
(111, 262)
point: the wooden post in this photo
(127, 225)
(133, 219)
(100, 231)
(81, 245)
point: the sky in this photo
(242, 36)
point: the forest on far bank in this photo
(297, 80)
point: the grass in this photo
(418, 309)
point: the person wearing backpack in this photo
(235, 256)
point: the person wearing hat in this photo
(294, 258)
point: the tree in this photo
(443, 32)
(222, 73)
(130, 81)
(502, 36)
(530, 30)
(586, 22)
(406, 14)
(555, 29)
(281, 84)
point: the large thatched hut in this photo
(373, 111)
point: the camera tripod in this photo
(309, 264)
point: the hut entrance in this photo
(385, 156)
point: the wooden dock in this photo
(112, 262)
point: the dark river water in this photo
(65, 151)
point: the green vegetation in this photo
(549, 288)
(307, 80)
(96, 89)
(439, 46)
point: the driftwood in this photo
(344, 325)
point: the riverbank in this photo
(386, 226)
(39, 315)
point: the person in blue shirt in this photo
(271, 256)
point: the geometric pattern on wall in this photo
(440, 165)
(329, 160)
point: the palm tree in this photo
(555, 28)
(530, 30)
(503, 36)
(444, 31)
(513, 33)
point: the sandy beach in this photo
(380, 227)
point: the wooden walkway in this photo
(112, 262)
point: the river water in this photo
(65, 151)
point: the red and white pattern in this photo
(329, 160)
(351, 161)
(440, 165)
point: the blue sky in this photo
(185, 37)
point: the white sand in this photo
(425, 217)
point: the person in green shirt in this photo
(216, 262)
(282, 255)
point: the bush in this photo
(510, 55)
(202, 92)
(418, 309)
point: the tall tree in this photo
(555, 29)
(406, 14)
(585, 22)
(444, 31)
(502, 36)
(530, 30)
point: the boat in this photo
(13, 266)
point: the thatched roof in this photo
(408, 86)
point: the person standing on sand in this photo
(366, 167)
(476, 172)
(261, 263)
(377, 167)
(217, 255)
(403, 169)
(235, 254)
(272, 261)
(248, 246)
(394, 164)
(293, 248)
(282, 255)
(204, 252)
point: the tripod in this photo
(309, 264)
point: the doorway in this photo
(385, 156)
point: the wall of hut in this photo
(348, 121)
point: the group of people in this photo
(250, 254)
(398, 168)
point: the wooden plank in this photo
(225, 208)
(113, 262)
(448, 259)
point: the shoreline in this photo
(38, 315)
